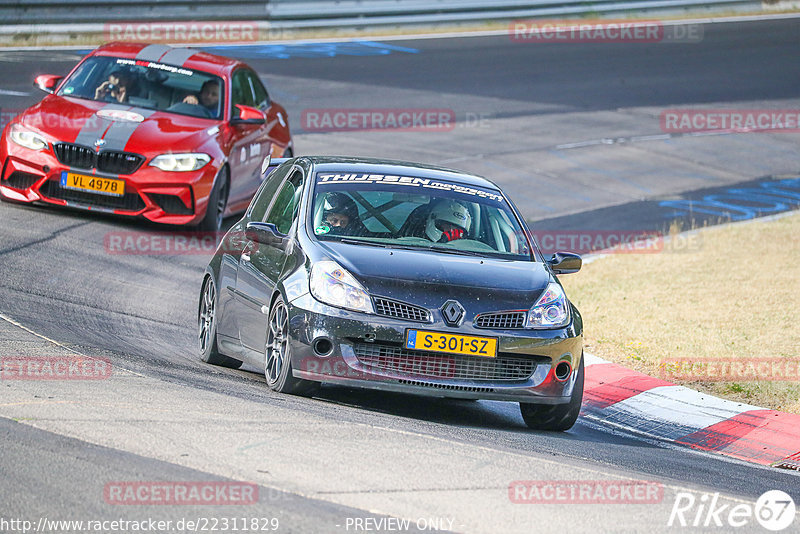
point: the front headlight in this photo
(333, 285)
(551, 309)
(27, 138)
(180, 162)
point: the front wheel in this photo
(557, 417)
(278, 354)
(217, 203)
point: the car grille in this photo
(448, 387)
(21, 180)
(127, 202)
(76, 156)
(401, 310)
(501, 320)
(171, 204)
(118, 162)
(423, 364)
(110, 161)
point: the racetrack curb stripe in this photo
(759, 436)
(687, 417)
(609, 383)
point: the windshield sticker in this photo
(425, 183)
(119, 115)
(153, 65)
(68, 90)
(322, 229)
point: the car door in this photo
(261, 265)
(277, 121)
(229, 303)
(250, 143)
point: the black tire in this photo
(278, 354)
(207, 327)
(558, 417)
(217, 202)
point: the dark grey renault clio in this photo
(394, 276)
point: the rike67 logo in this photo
(774, 510)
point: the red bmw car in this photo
(173, 135)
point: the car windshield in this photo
(416, 212)
(147, 84)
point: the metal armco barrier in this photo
(331, 13)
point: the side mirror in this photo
(264, 233)
(247, 115)
(565, 263)
(269, 164)
(47, 82)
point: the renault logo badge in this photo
(453, 312)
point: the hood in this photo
(430, 278)
(120, 126)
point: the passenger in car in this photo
(449, 220)
(116, 88)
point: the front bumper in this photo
(170, 198)
(366, 351)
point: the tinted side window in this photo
(284, 209)
(261, 97)
(266, 192)
(241, 91)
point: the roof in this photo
(403, 168)
(197, 60)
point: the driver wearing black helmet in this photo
(340, 214)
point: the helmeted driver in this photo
(449, 220)
(340, 213)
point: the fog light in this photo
(322, 346)
(563, 370)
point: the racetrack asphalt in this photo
(166, 416)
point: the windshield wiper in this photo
(384, 245)
(456, 251)
(360, 242)
(351, 241)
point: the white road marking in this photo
(9, 92)
(9, 320)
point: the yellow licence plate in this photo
(94, 184)
(451, 343)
